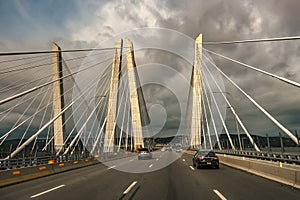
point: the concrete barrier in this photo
(270, 170)
(17, 175)
(8, 177)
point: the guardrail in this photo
(271, 156)
(36, 161)
(19, 170)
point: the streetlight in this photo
(236, 122)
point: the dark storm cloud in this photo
(86, 24)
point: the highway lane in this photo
(176, 181)
(133, 165)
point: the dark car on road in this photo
(144, 153)
(205, 159)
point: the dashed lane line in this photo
(130, 187)
(112, 167)
(219, 194)
(41, 193)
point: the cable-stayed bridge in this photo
(63, 108)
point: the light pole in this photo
(236, 122)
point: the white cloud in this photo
(118, 16)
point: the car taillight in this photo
(216, 158)
(200, 158)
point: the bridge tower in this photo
(138, 110)
(136, 98)
(113, 98)
(58, 98)
(196, 87)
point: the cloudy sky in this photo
(33, 25)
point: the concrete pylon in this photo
(136, 97)
(113, 99)
(196, 83)
(58, 98)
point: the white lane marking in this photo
(112, 167)
(150, 165)
(131, 160)
(130, 187)
(156, 159)
(39, 194)
(192, 168)
(219, 194)
(183, 160)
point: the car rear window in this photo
(211, 153)
(206, 153)
(144, 149)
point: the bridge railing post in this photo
(268, 143)
(281, 143)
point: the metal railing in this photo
(291, 158)
(35, 161)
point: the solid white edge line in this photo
(192, 168)
(39, 194)
(219, 194)
(112, 167)
(130, 187)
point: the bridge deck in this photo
(177, 181)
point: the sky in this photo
(33, 25)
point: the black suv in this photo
(204, 158)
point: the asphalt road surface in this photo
(176, 181)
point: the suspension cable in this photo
(211, 114)
(254, 40)
(256, 69)
(232, 109)
(220, 115)
(206, 120)
(285, 130)
(43, 85)
(59, 51)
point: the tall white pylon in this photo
(135, 97)
(196, 86)
(113, 99)
(58, 98)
